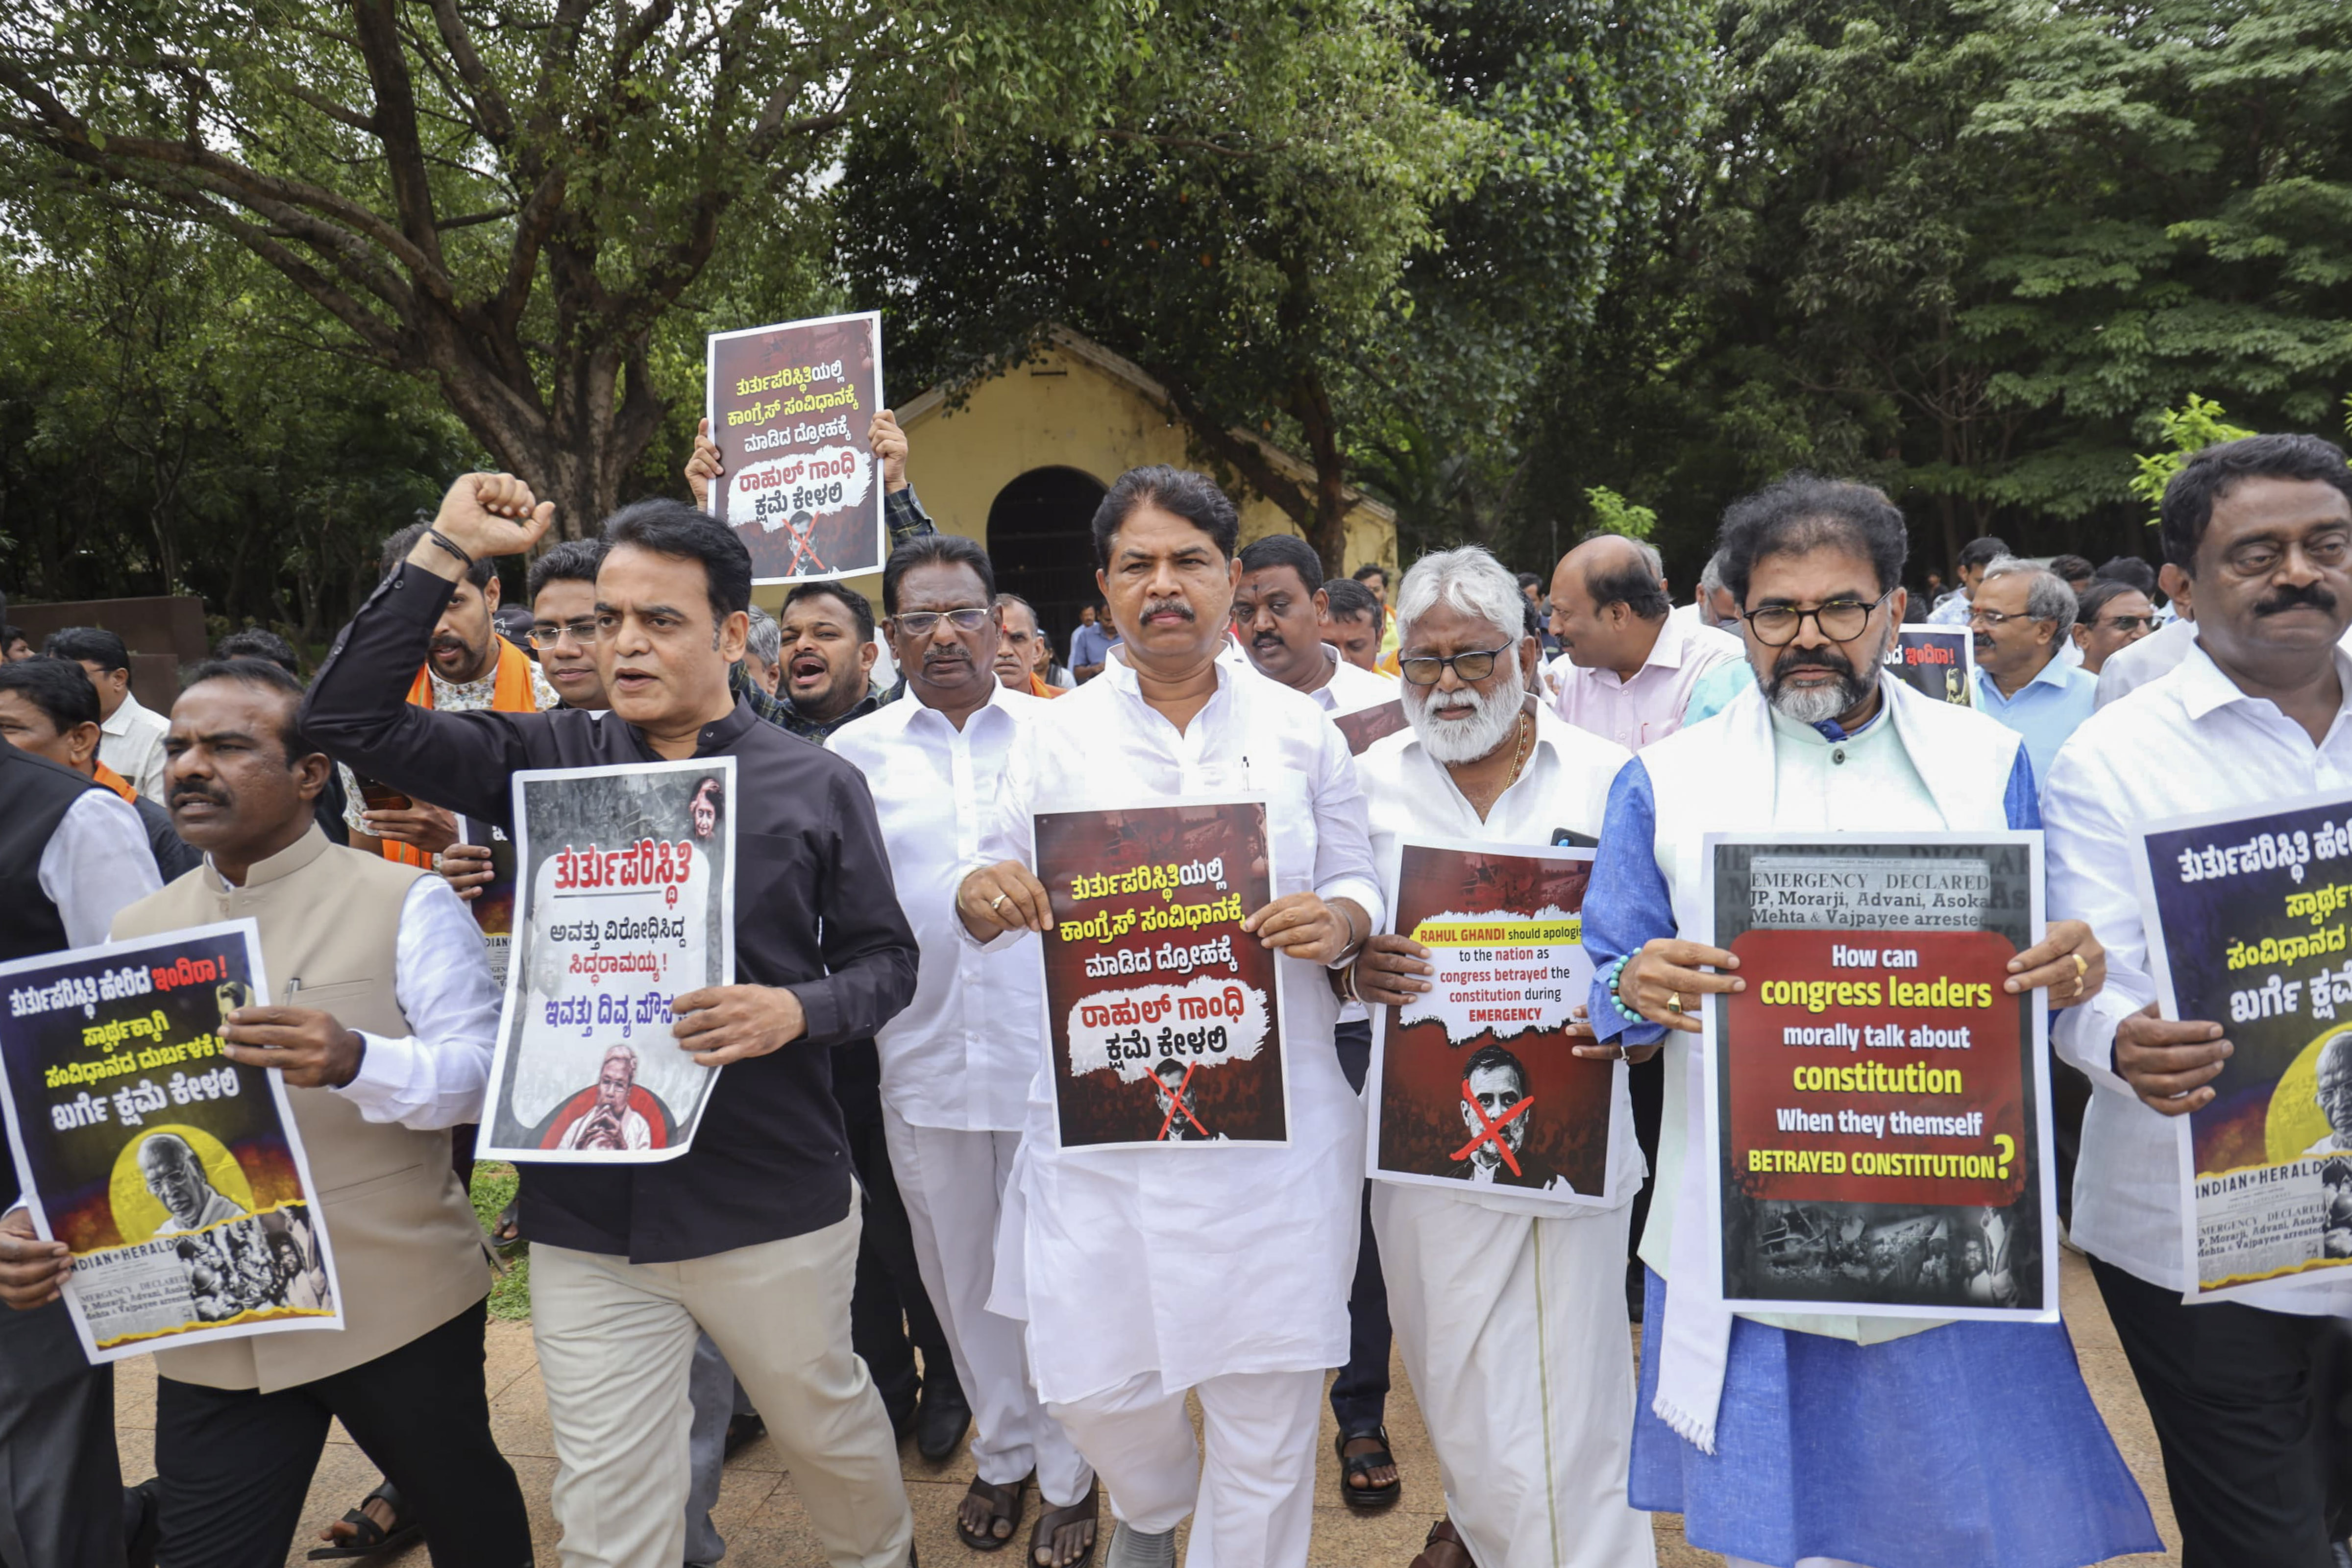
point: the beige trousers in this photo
(615, 1340)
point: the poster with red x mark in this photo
(1164, 1017)
(1477, 1083)
(789, 406)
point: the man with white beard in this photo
(1507, 1305)
(1923, 1444)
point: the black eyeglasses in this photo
(1840, 620)
(547, 634)
(923, 623)
(1999, 618)
(1426, 670)
(2128, 623)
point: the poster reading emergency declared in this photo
(1877, 1102)
(2247, 922)
(789, 406)
(174, 1174)
(1165, 1015)
(1478, 1080)
(624, 900)
(1936, 662)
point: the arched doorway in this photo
(1041, 539)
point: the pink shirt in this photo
(1648, 707)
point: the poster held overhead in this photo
(175, 1175)
(624, 898)
(1876, 1103)
(788, 406)
(2246, 918)
(1477, 1082)
(1163, 1015)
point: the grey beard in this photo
(1466, 741)
(1811, 705)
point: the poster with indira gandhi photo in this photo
(175, 1175)
(1876, 1103)
(624, 900)
(789, 406)
(2247, 927)
(1164, 1017)
(1478, 1080)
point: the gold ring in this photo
(2081, 968)
(996, 901)
(1675, 1001)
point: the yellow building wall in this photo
(1065, 411)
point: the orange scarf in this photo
(512, 694)
(114, 781)
(1038, 687)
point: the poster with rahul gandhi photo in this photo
(1165, 1018)
(788, 405)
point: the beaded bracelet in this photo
(1616, 969)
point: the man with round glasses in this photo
(1826, 743)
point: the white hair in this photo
(1711, 579)
(1471, 580)
(2047, 596)
(765, 640)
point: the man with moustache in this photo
(956, 1065)
(48, 706)
(1279, 607)
(1630, 665)
(1251, 1323)
(1018, 648)
(752, 1234)
(2109, 616)
(467, 666)
(2023, 618)
(1487, 1280)
(2254, 714)
(2015, 1467)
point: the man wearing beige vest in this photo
(383, 1035)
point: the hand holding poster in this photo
(2246, 929)
(1877, 1102)
(1478, 1080)
(1164, 1016)
(174, 1175)
(789, 406)
(624, 900)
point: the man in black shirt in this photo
(750, 1233)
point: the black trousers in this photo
(235, 1465)
(2245, 1406)
(60, 1484)
(890, 1315)
(1359, 1393)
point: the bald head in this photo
(1607, 603)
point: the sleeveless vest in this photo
(406, 1246)
(35, 795)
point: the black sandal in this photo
(1087, 1510)
(1367, 1499)
(1003, 1503)
(368, 1537)
(506, 1231)
(1442, 1547)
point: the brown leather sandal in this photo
(1041, 1538)
(1005, 1503)
(1444, 1548)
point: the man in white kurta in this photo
(957, 1063)
(1508, 1307)
(1218, 1269)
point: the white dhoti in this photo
(953, 1183)
(1252, 1503)
(1514, 1331)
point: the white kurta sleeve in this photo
(435, 1077)
(1343, 844)
(96, 863)
(1007, 833)
(2090, 853)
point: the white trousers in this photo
(953, 1185)
(1252, 1501)
(1801, 1563)
(614, 1339)
(1513, 1330)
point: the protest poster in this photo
(1878, 1105)
(1164, 1017)
(1935, 661)
(1366, 725)
(624, 898)
(2246, 928)
(1478, 1080)
(175, 1175)
(789, 406)
(492, 905)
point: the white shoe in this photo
(1130, 1548)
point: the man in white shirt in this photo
(1279, 608)
(130, 737)
(1713, 604)
(1228, 1263)
(2258, 710)
(1828, 742)
(1628, 665)
(957, 1063)
(1975, 556)
(1507, 1306)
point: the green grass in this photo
(494, 1188)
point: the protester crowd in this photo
(876, 1235)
